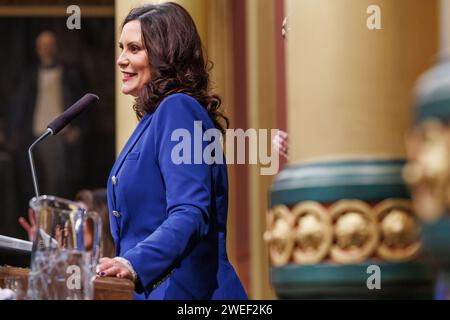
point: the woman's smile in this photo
(127, 76)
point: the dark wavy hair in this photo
(177, 60)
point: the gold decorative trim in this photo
(280, 237)
(349, 231)
(399, 229)
(313, 233)
(356, 232)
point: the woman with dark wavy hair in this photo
(169, 217)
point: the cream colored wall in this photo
(261, 115)
(349, 88)
(220, 51)
(448, 27)
(125, 117)
(445, 5)
(199, 12)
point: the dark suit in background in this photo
(58, 160)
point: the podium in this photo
(15, 255)
(59, 245)
(104, 288)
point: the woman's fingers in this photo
(281, 144)
(283, 134)
(284, 154)
(24, 224)
(31, 217)
(280, 141)
(113, 268)
(111, 272)
(125, 274)
(105, 263)
(105, 259)
(280, 148)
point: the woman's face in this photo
(133, 61)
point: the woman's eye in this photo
(134, 49)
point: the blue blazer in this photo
(169, 220)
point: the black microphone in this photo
(70, 114)
(57, 125)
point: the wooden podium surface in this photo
(104, 288)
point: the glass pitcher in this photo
(62, 263)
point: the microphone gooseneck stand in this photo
(30, 157)
(57, 125)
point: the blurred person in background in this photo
(44, 93)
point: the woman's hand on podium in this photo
(115, 268)
(29, 226)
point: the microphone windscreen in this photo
(67, 116)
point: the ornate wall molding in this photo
(345, 232)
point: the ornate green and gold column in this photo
(428, 170)
(341, 205)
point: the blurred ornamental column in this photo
(428, 169)
(341, 223)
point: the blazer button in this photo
(114, 180)
(116, 214)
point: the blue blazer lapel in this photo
(143, 124)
